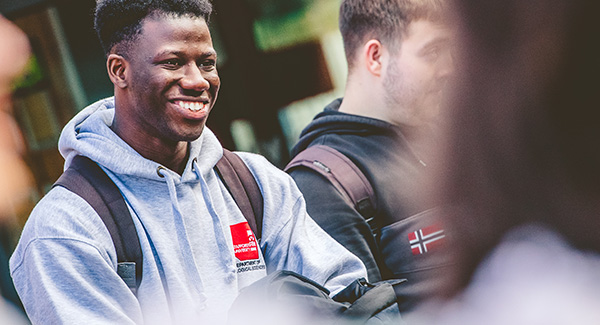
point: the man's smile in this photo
(193, 106)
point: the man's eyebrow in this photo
(437, 41)
(181, 53)
(209, 53)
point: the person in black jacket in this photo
(399, 62)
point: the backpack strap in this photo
(343, 174)
(243, 187)
(86, 179)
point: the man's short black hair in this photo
(384, 20)
(118, 22)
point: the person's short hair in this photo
(119, 22)
(384, 20)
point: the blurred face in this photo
(16, 183)
(417, 73)
(173, 81)
(14, 53)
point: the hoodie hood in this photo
(89, 134)
(332, 121)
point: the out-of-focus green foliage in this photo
(281, 24)
(32, 74)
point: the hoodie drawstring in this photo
(162, 172)
(227, 262)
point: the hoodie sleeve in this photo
(300, 245)
(292, 240)
(64, 270)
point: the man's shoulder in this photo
(258, 164)
(265, 172)
(354, 150)
(272, 181)
(61, 217)
(348, 135)
(62, 214)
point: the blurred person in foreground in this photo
(399, 65)
(16, 179)
(14, 54)
(151, 139)
(521, 164)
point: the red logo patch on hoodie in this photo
(245, 246)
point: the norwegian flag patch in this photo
(426, 239)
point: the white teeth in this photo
(192, 106)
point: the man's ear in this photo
(372, 53)
(117, 70)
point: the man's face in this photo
(417, 73)
(173, 79)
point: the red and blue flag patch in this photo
(426, 239)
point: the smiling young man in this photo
(399, 63)
(152, 141)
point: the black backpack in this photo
(86, 179)
(403, 248)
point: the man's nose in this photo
(446, 65)
(193, 79)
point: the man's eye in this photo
(208, 64)
(172, 63)
(433, 53)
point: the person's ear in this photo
(372, 52)
(117, 70)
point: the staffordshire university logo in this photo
(426, 239)
(245, 246)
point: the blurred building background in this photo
(280, 62)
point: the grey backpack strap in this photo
(341, 173)
(86, 179)
(243, 187)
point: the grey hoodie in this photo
(197, 253)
